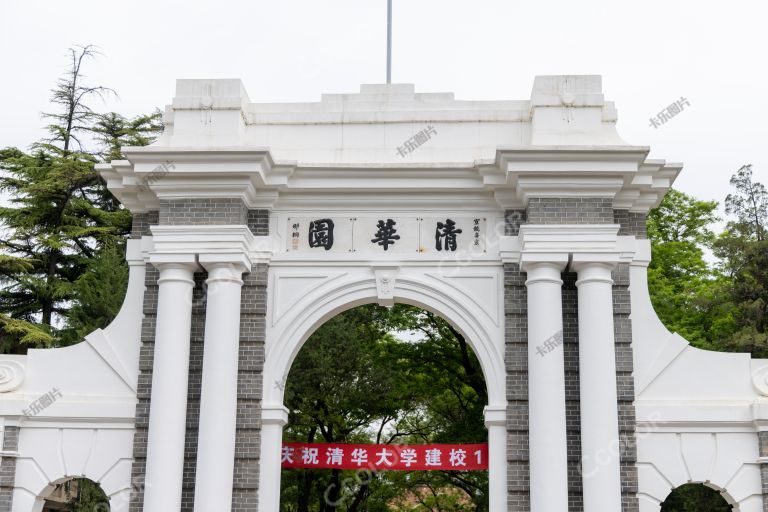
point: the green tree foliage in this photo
(355, 380)
(743, 252)
(695, 498)
(99, 293)
(115, 132)
(679, 278)
(83, 495)
(720, 306)
(60, 219)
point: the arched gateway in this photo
(520, 222)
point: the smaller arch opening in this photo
(76, 495)
(695, 497)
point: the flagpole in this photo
(389, 41)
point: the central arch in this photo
(300, 314)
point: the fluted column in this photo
(168, 406)
(218, 395)
(601, 468)
(546, 385)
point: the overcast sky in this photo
(649, 53)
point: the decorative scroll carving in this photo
(11, 375)
(760, 380)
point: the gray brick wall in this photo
(194, 382)
(142, 221)
(140, 227)
(570, 210)
(144, 389)
(513, 219)
(625, 386)
(631, 223)
(763, 440)
(516, 355)
(248, 437)
(516, 362)
(258, 222)
(203, 211)
(572, 390)
(8, 468)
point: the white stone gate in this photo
(178, 405)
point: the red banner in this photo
(379, 457)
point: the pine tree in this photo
(60, 217)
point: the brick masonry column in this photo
(630, 224)
(8, 466)
(762, 437)
(516, 360)
(253, 307)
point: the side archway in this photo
(78, 494)
(698, 496)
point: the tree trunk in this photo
(305, 483)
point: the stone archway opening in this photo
(695, 497)
(76, 495)
(400, 375)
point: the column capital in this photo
(530, 261)
(274, 415)
(555, 242)
(214, 243)
(225, 267)
(594, 271)
(175, 267)
(495, 415)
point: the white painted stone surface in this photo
(89, 430)
(698, 412)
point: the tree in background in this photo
(719, 306)
(695, 498)
(743, 252)
(61, 221)
(355, 380)
(679, 278)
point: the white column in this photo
(273, 419)
(168, 407)
(218, 395)
(600, 465)
(546, 386)
(496, 423)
